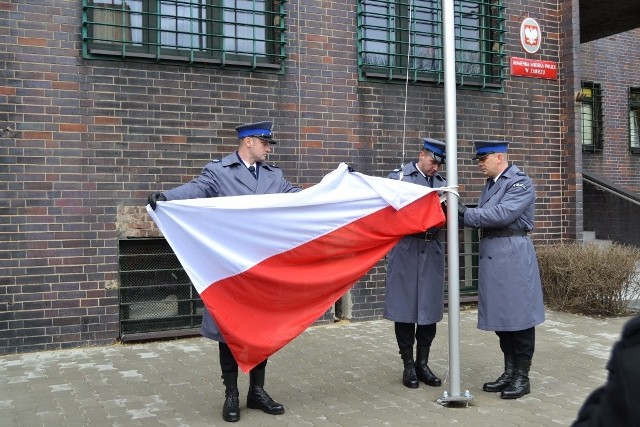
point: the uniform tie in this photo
(491, 182)
(252, 169)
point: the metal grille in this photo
(591, 114)
(634, 120)
(396, 34)
(468, 258)
(156, 296)
(468, 261)
(242, 33)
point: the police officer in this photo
(243, 172)
(509, 289)
(414, 298)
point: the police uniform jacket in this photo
(415, 269)
(509, 288)
(229, 177)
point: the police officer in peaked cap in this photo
(414, 298)
(242, 172)
(509, 288)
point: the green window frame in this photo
(634, 120)
(226, 33)
(591, 117)
(393, 47)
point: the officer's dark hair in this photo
(433, 155)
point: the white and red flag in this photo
(268, 266)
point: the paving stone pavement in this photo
(344, 374)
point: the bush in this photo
(591, 279)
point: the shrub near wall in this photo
(591, 279)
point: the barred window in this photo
(400, 38)
(591, 117)
(634, 120)
(242, 33)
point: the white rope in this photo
(442, 191)
(299, 87)
(406, 83)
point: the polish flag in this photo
(268, 266)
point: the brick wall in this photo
(570, 175)
(86, 141)
(614, 62)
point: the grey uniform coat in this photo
(415, 269)
(509, 288)
(229, 177)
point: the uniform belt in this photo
(426, 236)
(503, 232)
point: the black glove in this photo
(461, 210)
(154, 198)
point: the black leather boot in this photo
(409, 376)
(422, 368)
(258, 398)
(505, 379)
(520, 384)
(231, 407)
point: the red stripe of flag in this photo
(262, 309)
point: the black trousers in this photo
(408, 333)
(228, 363)
(520, 343)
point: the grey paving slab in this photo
(344, 374)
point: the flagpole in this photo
(453, 395)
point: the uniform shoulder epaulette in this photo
(216, 161)
(272, 165)
(521, 173)
(396, 174)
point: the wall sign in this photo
(530, 35)
(534, 68)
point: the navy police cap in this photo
(436, 147)
(484, 148)
(260, 130)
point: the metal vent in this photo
(157, 298)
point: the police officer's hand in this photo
(154, 198)
(461, 210)
(443, 205)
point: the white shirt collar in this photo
(418, 169)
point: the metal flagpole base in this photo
(456, 401)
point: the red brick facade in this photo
(613, 63)
(85, 141)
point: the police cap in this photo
(437, 148)
(260, 130)
(484, 148)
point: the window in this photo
(244, 33)
(591, 115)
(403, 38)
(634, 120)
(156, 296)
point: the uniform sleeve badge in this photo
(519, 184)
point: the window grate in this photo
(634, 120)
(156, 295)
(392, 46)
(591, 117)
(468, 259)
(227, 33)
